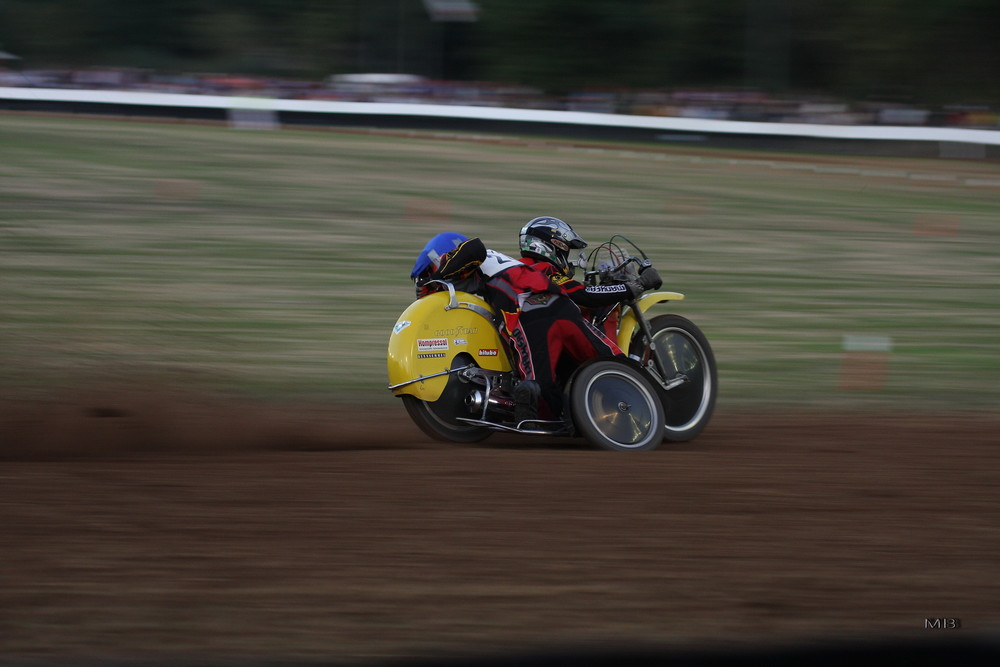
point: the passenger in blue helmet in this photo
(449, 256)
(430, 256)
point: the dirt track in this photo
(162, 531)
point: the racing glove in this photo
(649, 278)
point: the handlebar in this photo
(611, 262)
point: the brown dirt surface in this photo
(176, 529)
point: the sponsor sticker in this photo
(458, 342)
(401, 325)
(457, 331)
(488, 352)
(431, 355)
(607, 289)
(431, 344)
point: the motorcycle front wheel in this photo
(683, 350)
(615, 406)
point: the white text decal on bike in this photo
(607, 289)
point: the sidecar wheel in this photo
(437, 422)
(438, 419)
(683, 349)
(615, 406)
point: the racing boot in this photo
(526, 395)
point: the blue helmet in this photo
(430, 256)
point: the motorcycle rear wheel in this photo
(683, 349)
(616, 407)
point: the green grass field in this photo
(273, 264)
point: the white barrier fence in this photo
(954, 142)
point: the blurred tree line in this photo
(911, 50)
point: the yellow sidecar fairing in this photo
(428, 336)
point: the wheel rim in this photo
(681, 353)
(621, 409)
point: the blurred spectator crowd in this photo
(742, 105)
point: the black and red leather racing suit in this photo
(542, 321)
(540, 310)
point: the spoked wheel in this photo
(438, 418)
(683, 350)
(615, 406)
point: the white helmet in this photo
(550, 240)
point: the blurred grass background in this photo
(272, 265)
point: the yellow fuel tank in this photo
(428, 336)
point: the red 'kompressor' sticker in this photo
(429, 344)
